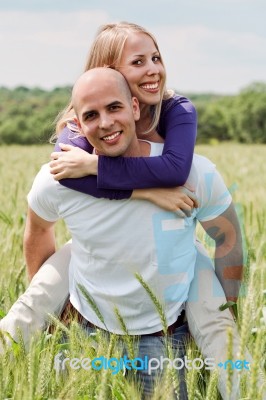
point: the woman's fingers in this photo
(55, 155)
(193, 198)
(66, 147)
(180, 213)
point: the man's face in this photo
(106, 116)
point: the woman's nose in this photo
(153, 69)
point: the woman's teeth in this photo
(150, 86)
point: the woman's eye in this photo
(137, 62)
(156, 58)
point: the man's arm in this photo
(38, 243)
(226, 232)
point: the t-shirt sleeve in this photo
(42, 198)
(215, 197)
(86, 184)
(178, 125)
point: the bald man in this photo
(115, 240)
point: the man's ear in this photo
(75, 119)
(135, 108)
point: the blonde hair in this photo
(107, 50)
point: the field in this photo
(31, 375)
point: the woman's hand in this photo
(179, 199)
(73, 162)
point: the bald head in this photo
(106, 112)
(91, 80)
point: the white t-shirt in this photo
(113, 240)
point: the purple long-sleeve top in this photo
(118, 176)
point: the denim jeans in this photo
(155, 347)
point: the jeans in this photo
(155, 347)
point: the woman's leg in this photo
(208, 325)
(46, 294)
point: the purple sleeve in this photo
(69, 137)
(178, 124)
(86, 184)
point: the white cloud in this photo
(49, 49)
(199, 58)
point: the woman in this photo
(175, 115)
(134, 52)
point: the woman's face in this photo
(142, 67)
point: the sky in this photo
(216, 46)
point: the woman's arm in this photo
(178, 124)
(86, 184)
(180, 200)
(72, 162)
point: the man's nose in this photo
(106, 121)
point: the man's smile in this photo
(112, 136)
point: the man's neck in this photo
(145, 148)
(138, 148)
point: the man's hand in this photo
(39, 242)
(72, 162)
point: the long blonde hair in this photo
(107, 50)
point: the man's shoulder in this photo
(44, 178)
(202, 163)
(44, 184)
(210, 188)
(202, 173)
(43, 196)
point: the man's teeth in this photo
(150, 86)
(111, 137)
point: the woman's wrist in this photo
(140, 194)
(93, 164)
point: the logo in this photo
(143, 364)
(238, 364)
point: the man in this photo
(114, 241)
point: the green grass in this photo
(32, 376)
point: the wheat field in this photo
(30, 375)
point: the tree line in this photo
(27, 115)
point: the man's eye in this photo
(89, 116)
(114, 108)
